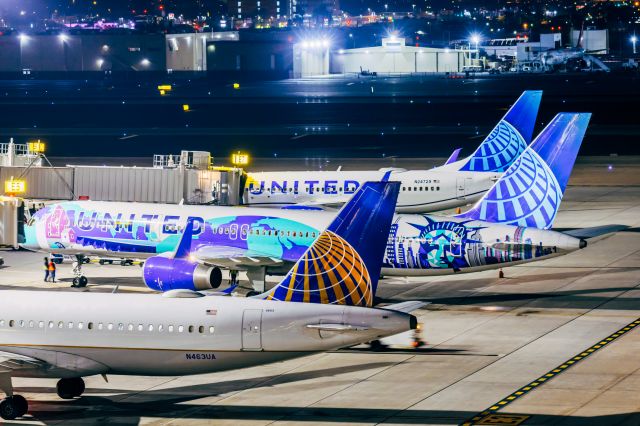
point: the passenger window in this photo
(41, 324)
(1, 323)
(201, 329)
(110, 326)
(120, 326)
(60, 324)
(50, 324)
(21, 323)
(11, 323)
(150, 327)
(438, 188)
(100, 326)
(409, 189)
(140, 327)
(180, 328)
(170, 329)
(90, 326)
(432, 188)
(31, 324)
(130, 327)
(80, 325)
(160, 328)
(404, 189)
(190, 329)
(211, 329)
(70, 324)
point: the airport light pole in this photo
(475, 39)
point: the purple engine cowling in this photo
(162, 273)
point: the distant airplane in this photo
(324, 303)
(454, 184)
(509, 225)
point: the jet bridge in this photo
(12, 216)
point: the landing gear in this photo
(13, 406)
(70, 388)
(79, 280)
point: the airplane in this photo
(508, 226)
(324, 303)
(454, 184)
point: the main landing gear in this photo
(13, 406)
(70, 388)
(79, 280)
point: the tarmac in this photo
(553, 343)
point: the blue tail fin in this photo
(529, 193)
(343, 265)
(509, 138)
(184, 245)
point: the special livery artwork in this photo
(423, 244)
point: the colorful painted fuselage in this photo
(417, 244)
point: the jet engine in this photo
(163, 273)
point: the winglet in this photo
(184, 246)
(509, 138)
(530, 192)
(343, 265)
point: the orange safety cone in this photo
(458, 210)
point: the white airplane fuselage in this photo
(84, 334)
(421, 190)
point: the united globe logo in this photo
(330, 272)
(498, 151)
(529, 193)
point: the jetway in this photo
(188, 178)
(12, 216)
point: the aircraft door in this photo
(460, 187)
(252, 330)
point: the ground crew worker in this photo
(234, 277)
(46, 269)
(52, 270)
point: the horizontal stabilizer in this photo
(406, 307)
(595, 231)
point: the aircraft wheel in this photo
(83, 281)
(76, 282)
(101, 261)
(70, 388)
(21, 404)
(13, 407)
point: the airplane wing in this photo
(47, 362)
(233, 257)
(12, 362)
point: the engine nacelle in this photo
(163, 273)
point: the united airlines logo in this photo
(330, 272)
(529, 193)
(501, 148)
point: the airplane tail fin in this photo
(530, 191)
(509, 138)
(343, 265)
